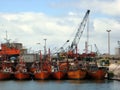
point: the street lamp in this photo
(108, 41)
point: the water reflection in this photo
(77, 81)
(86, 81)
(60, 85)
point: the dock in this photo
(114, 70)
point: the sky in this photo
(32, 21)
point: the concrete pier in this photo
(114, 69)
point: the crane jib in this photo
(80, 31)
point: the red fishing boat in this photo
(93, 71)
(43, 69)
(59, 70)
(7, 51)
(75, 71)
(97, 74)
(43, 72)
(5, 71)
(21, 72)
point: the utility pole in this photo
(108, 41)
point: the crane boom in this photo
(80, 31)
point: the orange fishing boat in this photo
(5, 71)
(21, 72)
(93, 71)
(59, 70)
(44, 70)
(9, 51)
(97, 74)
(75, 72)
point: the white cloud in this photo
(31, 28)
(100, 27)
(110, 7)
(72, 14)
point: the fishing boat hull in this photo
(4, 75)
(97, 75)
(76, 74)
(42, 75)
(58, 75)
(22, 76)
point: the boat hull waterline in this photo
(42, 75)
(76, 74)
(98, 75)
(58, 75)
(22, 76)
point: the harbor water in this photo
(60, 85)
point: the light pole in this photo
(108, 41)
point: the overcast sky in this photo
(31, 21)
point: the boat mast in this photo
(7, 44)
(41, 63)
(86, 43)
(45, 49)
(6, 38)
